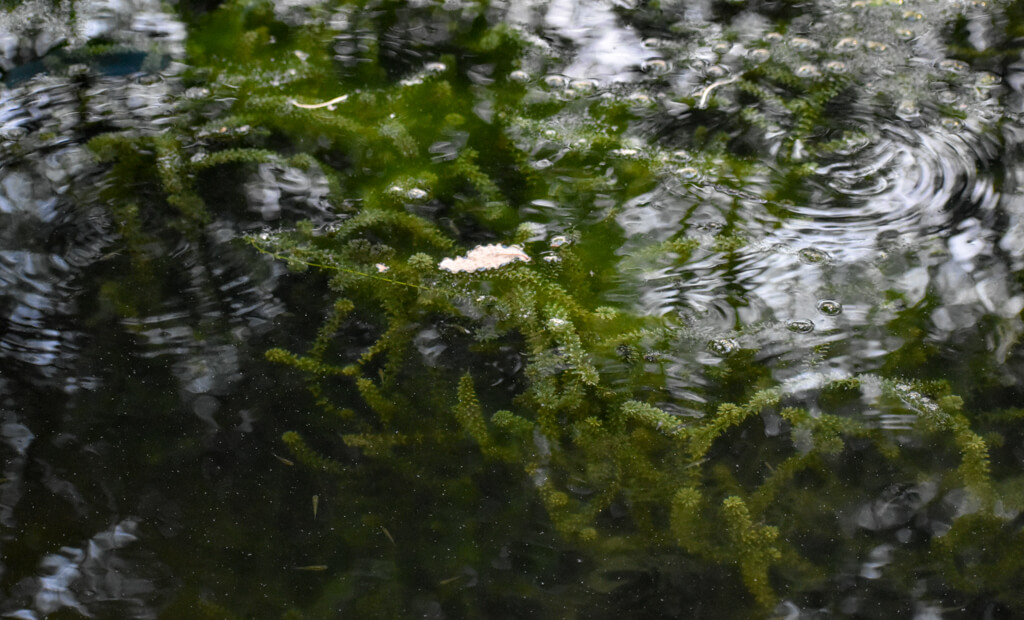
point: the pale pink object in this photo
(485, 257)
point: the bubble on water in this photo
(558, 241)
(583, 85)
(721, 48)
(847, 44)
(807, 71)
(722, 346)
(681, 155)
(905, 34)
(803, 45)
(800, 326)
(813, 256)
(688, 173)
(952, 124)
(519, 76)
(830, 307)
(876, 46)
(416, 194)
(987, 80)
(836, 67)
(953, 66)
(946, 97)
(907, 109)
(556, 81)
(655, 66)
(912, 16)
(435, 67)
(640, 99)
(858, 5)
(773, 37)
(759, 54)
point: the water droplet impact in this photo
(813, 256)
(722, 346)
(802, 326)
(829, 307)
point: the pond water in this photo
(753, 350)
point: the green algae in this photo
(464, 482)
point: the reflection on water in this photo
(880, 183)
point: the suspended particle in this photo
(813, 256)
(800, 326)
(722, 346)
(830, 307)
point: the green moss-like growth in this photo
(575, 404)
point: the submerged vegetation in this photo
(750, 367)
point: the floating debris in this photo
(484, 257)
(314, 106)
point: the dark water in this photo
(878, 236)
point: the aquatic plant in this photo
(478, 431)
